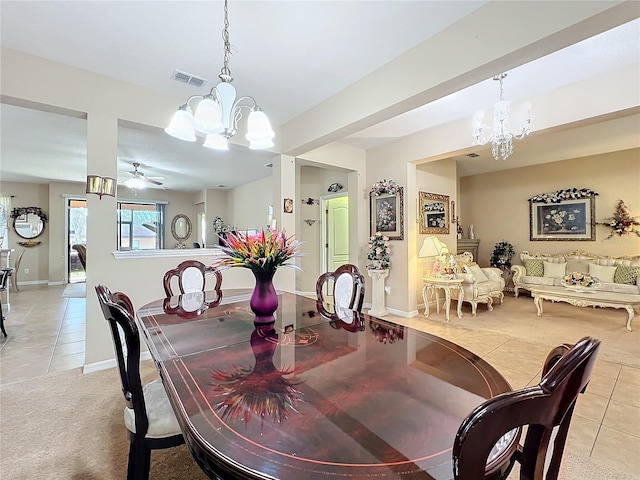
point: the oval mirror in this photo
(181, 227)
(29, 223)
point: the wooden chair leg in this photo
(4, 332)
(139, 462)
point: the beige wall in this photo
(249, 204)
(496, 203)
(36, 259)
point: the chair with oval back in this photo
(16, 266)
(82, 254)
(190, 276)
(347, 290)
(5, 273)
(148, 415)
(483, 437)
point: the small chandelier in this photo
(502, 138)
(217, 113)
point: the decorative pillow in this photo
(534, 267)
(477, 273)
(554, 270)
(577, 265)
(626, 274)
(602, 272)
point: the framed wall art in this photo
(572, 219)
(387, 216)
(433, 213)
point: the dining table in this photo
(313, 393)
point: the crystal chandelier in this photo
(502, 138)
(217, 113)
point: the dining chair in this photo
(479, 446)
(347, 290)
(190, 276)
(5, 274)
(16, 267)
(148, 415)
(82, 254)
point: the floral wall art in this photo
(387, 217)
(567, 214)
(434, 213)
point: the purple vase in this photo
(264, 300)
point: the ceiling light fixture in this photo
(217, 113)
(502, 138)
(135, 183)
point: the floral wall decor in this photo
(385, 186)
(621, 223)
(387, 217)
(379, 251)
(567, 214)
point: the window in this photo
(140, 226)
(5, 205)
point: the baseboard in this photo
(394, 311)
(60, 282)
(111, 363)
(34, 282)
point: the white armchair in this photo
(480, 285)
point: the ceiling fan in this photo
(138, 179)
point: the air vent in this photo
(268, 165)
(473, 155)
(185, 77)
(221, 185)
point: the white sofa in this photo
(531, 274)
(476, 287)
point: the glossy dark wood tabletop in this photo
(310, 397)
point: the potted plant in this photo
(379, 250)
(501, 256)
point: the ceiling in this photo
(290, 56)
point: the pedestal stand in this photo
(378, 308)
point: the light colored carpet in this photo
(75, 290)
(71, 427)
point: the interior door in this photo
(337, 244)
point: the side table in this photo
(446, 284)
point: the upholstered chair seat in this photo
(162, 420)
(480, 285)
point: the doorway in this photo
(76, 234)
(335, 234)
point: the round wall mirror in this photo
(28, 223)
(181, 227)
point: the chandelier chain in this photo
(225, 71)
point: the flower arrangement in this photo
(386, 334)
(379, 251)
(501, 256)
(219, 225)
(561, 195)
(18, 212)
(261, 252)
(621, 223)
(579, 279)
(385, 187)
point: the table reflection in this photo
(261, 390)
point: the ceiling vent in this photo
(221, 185)
(268, 165)
(185, 77)
(473, 155)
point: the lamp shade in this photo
(432, 247)
(208, 116)
(101, 185)
(181, 125)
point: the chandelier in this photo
(502, 138)
(217, 113)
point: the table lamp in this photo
(432, 248)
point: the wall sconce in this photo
(101, 185)
(309, 221)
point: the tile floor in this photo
(46, 335)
